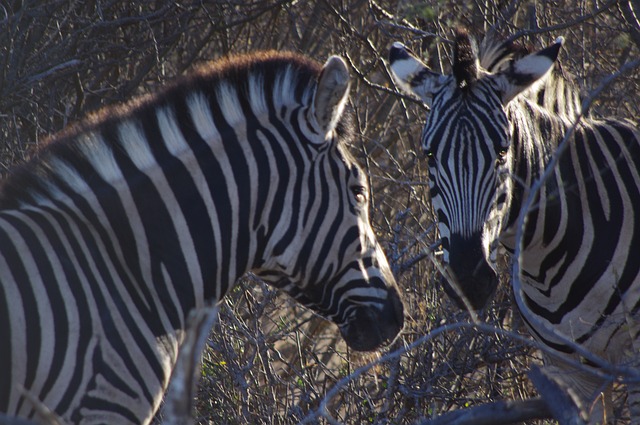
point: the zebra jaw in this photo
(365, 326)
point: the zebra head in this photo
(467, 139)
(323, 251)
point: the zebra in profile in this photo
(125, 222)
(489, 136)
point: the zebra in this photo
(125, 222)
(495, 125)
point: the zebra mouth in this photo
(371, 328)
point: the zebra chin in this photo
(372, 328)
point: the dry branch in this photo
(497, 413)
(44, 415)
(562, 406)
(180, 394)
(555, 403)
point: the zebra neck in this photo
(536, 137)
(185, 194)
(178, 219)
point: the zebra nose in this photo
(476, 289)
(469, 275)
(372, 328)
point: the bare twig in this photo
(44, 415)
(537, 30)
(324, 412)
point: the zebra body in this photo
(490, 137)
(127, 221)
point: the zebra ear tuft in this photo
(331, 93)
(411, 74)
(527, 70)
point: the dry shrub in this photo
(268, 360)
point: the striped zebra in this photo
(489, 137)
(124, 223)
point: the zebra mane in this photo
(495, 55)
(285, 78)
(262, 81)
(465, 60)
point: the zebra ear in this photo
(412, 75)
(525, 71)
(331, 93)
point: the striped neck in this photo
(536, 136)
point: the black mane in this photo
(465, 60)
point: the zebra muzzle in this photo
(371, 328)
(468, 280)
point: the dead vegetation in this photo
(268, 361)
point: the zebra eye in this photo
(359, 193)
(430, 158)
(502, 155)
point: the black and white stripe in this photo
(490, 135)
(125, 222)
